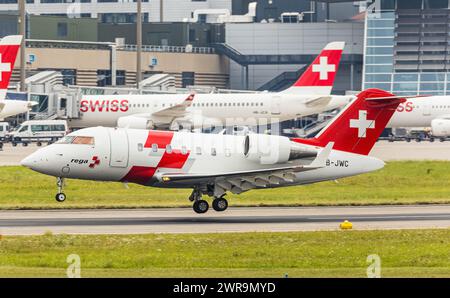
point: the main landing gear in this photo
(220, 204)
(201, 206)
(60, 196)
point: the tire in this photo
(14, 144)
(220, 204)
(408, 140)
(60, 197)
(39, 144)
(24, 144)
(431, 140)
(201, 206)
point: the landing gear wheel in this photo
(60, 197)
(220, 204)
(201, 206)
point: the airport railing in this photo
(170, 49)
(66, 44)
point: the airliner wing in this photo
(238, 182)
(178, 110)
(318, 101)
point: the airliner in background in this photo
(9, 47)
(432, 111)
(311, 94)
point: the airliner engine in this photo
(440, 127)
(267, 149)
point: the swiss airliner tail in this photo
(359, 125)
(9, 47)
(320, 74)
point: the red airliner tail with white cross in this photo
(359, 125)
(319, 76)
(9, 47)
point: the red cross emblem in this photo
(95, 162)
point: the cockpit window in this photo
(83, 141)
(77, 140)
(66, 140)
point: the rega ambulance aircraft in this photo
(214, 164)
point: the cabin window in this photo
(227, 152)
(169, 149)
(198, 150)
(213, 152)
(140, 147)
(183, 150)
(154, 147)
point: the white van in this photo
(4, 128)
(39, 131)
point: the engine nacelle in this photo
(135, 122)
(440, 127)
(267, 149)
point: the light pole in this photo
(22, 31)
(139, 43)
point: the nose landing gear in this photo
(60, 196)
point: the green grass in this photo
(398, 183)
(403, 253)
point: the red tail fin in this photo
(360, 124)
(319, 76)
(9, 46)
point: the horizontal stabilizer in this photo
(321, 159)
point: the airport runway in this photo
(384, 150)
(184, 220)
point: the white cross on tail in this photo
(362, 124)
(4, 67)
(324, 68)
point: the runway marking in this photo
(233, 220)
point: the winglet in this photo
(321, 159)
(190, 99)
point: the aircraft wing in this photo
(318, 101)
(178, 110)
(238, 182)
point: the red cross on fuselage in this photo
(95, 162)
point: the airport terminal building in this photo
(401, 46)
(407, 47)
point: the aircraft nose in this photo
(29, 161)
